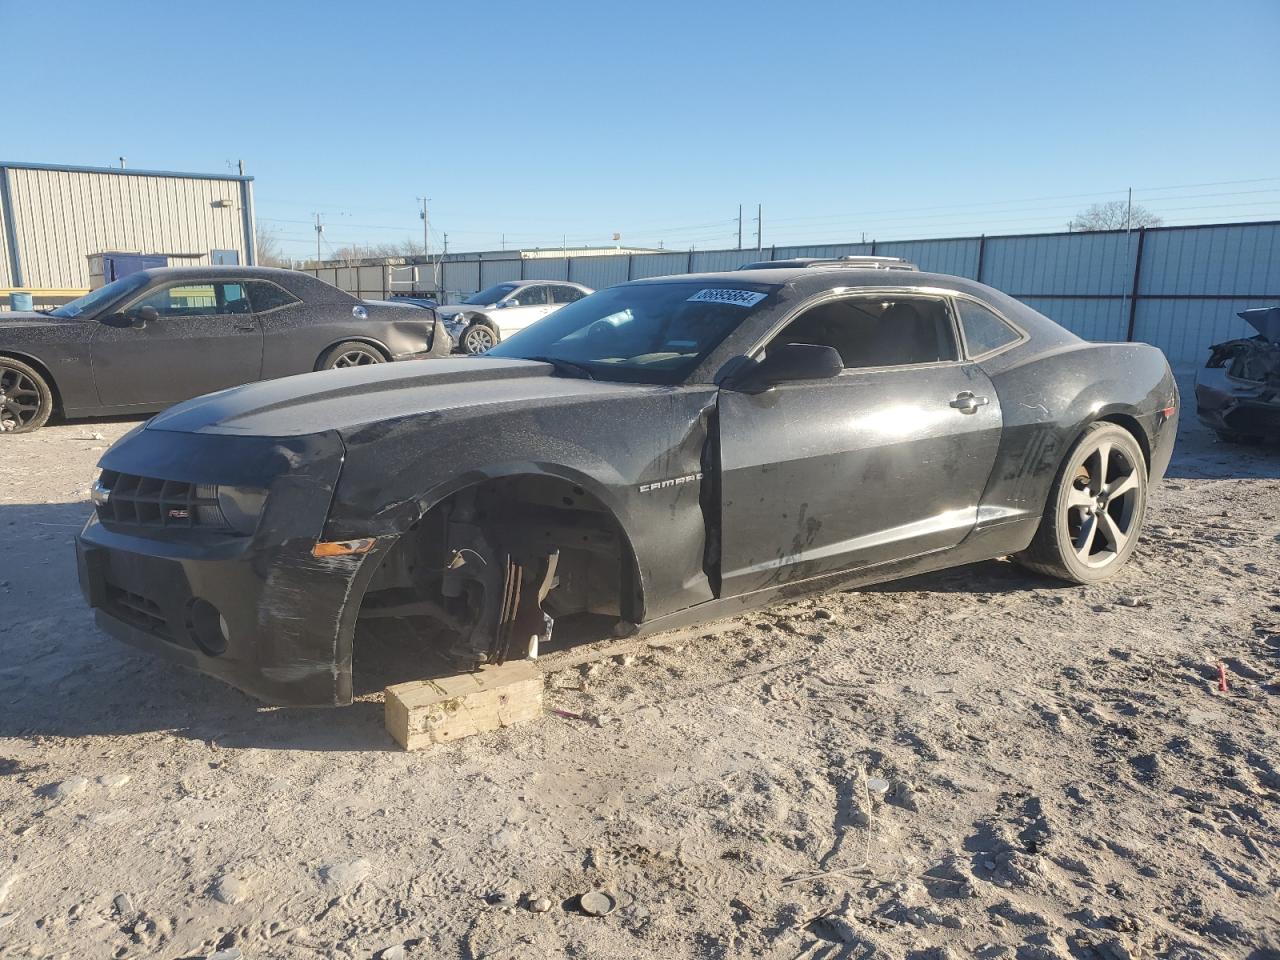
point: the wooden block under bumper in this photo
(423, 712)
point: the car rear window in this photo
(983, 330)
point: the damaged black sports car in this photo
(1238, 391)
(662, 452)
(158, 336)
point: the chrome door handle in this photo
(966, 402)
(248, 329)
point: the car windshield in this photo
(640, 333)
(94, 299)
(494, 294)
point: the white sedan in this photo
(485, 318)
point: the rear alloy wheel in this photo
(479, 338)
(1095, 510)
(25, 398)
(352, 354)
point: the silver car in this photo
(485, 318)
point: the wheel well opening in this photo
(491, 567)
(41, 369)
(1132, 425)
(368, 342)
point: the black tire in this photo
(1084, 518)
(353, 353)
(26, 399)
(479, 337)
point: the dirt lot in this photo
(1065, 778)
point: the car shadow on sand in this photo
(60, 676)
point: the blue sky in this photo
(548, 120)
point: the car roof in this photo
(239, 270)
(834, 276)
(851, 262)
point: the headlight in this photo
(237, 508)
(241, 507)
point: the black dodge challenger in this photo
(658, 453)
(159, 336)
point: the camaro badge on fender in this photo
(673, 482)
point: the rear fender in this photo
(1048, 400)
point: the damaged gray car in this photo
(1238, 391)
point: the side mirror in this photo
(503, 304)
(143, 316)
(785, 363)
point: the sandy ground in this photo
(1065, 780)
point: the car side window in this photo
(881, 331)
(267, 296)
(983, 330)
(535, 296)
(215, 298)
(566, 294)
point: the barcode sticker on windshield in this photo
(739, 298)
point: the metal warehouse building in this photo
(54, 218)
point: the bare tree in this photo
(268, 249)
(377, 251)
(1114, 215)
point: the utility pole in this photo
(319, 231)
(1128, 217)
(446, 243)
(739, 226)
(426, 228)
(759, 227)
(241, 165)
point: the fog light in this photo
(207, 627)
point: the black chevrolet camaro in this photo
(662, 452)
(159, 336)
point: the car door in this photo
(202, 337)
(885, 461)
(526, 305)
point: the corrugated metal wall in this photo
(60, 217)
(598, 272)
(1191, 283)
(5, 278)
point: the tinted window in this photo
(534, 296)
(983, 330)
(267, 296)
(876, 332)
(197, 300)
(643, 332)
(566, 294)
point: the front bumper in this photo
(284, 620)
(1233, 407)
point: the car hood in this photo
(453, 309)
(33, 328)
(26, 319)
(355, 397)
(1266, 320)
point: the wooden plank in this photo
(444, 709)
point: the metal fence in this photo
(1179, 288)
